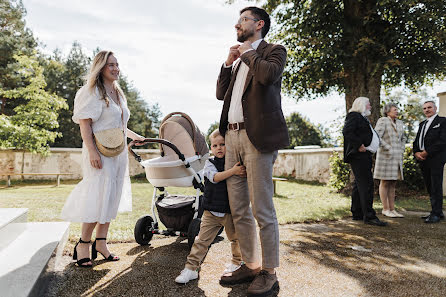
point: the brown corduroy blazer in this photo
(261, 100)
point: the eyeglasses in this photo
(245, 19)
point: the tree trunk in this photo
(363, 67)
(364, 84)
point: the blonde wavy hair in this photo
(94, 77)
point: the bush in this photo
(340, 172)
(413, 178)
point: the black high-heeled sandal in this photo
(94, 252)
(80, 262)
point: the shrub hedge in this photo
(340, 172)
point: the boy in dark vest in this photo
(216, 213)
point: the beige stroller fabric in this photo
(178, 128)
(168, 170)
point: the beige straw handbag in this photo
(110, 142)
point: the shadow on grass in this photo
(328, 215)
(301, 181)
(395, 258)
(281, 196)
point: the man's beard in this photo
(244, 36)
(367, 112)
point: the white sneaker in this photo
(186, 275)
(397, 214)
(389, 214)
(230, 268)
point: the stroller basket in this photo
(176, 211)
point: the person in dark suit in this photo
(254, 127)
(360, 142)
(429, 149)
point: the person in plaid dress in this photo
(389, 158)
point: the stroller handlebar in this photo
(153, 140)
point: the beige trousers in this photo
(257, 189)
(209, 227)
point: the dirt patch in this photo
(342, 258)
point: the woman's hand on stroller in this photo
(239, 170)
(139, 140)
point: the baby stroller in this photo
(183, 154)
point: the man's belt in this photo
(236, 126)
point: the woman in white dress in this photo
(105, 188)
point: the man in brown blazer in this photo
(254, 128)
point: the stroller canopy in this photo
(179, 129)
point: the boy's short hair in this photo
(214, 134)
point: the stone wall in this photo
(61, 160)
(306, 164)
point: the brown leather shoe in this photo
(263, 285)
(241, 275)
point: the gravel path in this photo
(342, 258)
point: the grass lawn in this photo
(295, 202)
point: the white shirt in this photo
(424, 130)
(374, 145)
(235, 114)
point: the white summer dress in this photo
(102, 192)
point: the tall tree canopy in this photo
(15, 39)
(355, 47)
(32, 124)
(64, 77)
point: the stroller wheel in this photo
(143, 230)
(192, 232)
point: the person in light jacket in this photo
(389, 158)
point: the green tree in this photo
(64, 77)
(32, 124)
(15, 39)
(355, 47)
(302, 131)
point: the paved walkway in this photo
(342, 258)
